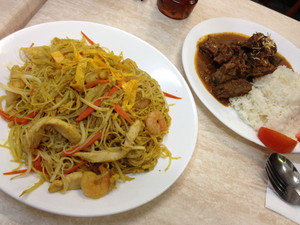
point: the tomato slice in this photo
(276, 141)
(298, 136)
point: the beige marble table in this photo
(225, 182)
(15, 14)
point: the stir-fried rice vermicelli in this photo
(83, 117)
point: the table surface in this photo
(225, 182)
(15, 14)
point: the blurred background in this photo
(287, 7)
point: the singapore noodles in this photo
(82, 117)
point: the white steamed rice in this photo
(273, 102)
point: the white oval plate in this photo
(228, 115)
(181, 139)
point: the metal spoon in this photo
(284, 178)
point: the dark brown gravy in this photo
(201, 61)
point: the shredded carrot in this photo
(87, 144)
(88, 39)
(32, 44)
(18, 120)
(94, 83)
(98, 102)
(122, 113)
(75, 167)
(170, 95)
(31, 92)
(88, 110)
(114, 89)
(15, 172)
(37, 164)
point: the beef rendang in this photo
(227, 62)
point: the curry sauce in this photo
(205, 66)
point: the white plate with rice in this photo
(228, 115)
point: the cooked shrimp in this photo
(156, 122)
(95, 186)
(16, 83)
(130, 63)
(35, 133)
(72, 182)
(103, 74)
(141, 104)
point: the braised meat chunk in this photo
(216, 51)
(259, 44)
(232, 88)
(232, 65)
(210, 48)
(235, 68)
(261, 52)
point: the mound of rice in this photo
(273, 102)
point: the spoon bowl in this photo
(285, 169)
(284, 178)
